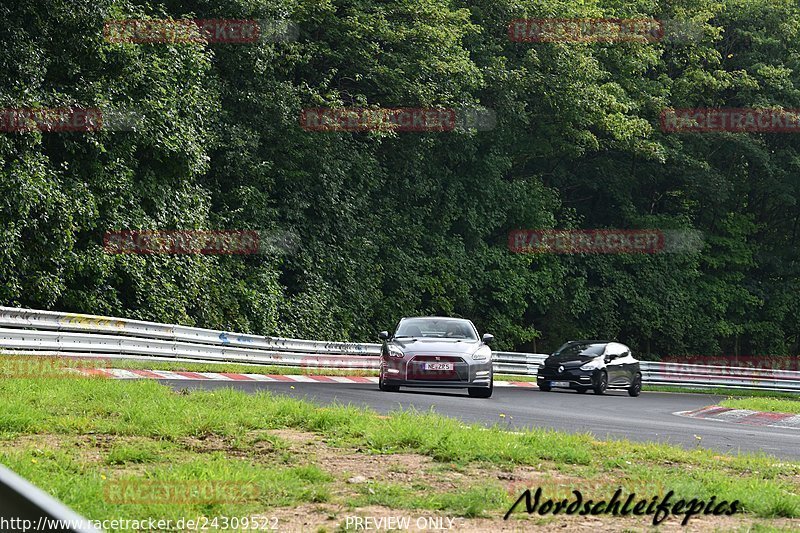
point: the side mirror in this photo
(383, 335)
(487, 338)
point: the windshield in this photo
(439, 328)
(581, 348)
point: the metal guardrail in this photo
(102, 344)
(13, 317)
(23, 507)
(518, 363)
(32, 331)
(729, 377)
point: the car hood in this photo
(569, 361)
(434, 346)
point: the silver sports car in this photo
(436, 352)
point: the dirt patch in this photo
(354, 467)
(43, 441)
(296, 437)
(519, 478)
(396, 468)
(256, 445)
(211, 443)
(88, 448)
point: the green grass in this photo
(514, 377)
(160, 422)
(772, 405)
(240, 486)
(141, 451)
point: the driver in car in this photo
(454, 331)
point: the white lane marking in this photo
(259, 377)
(733, 416)
(340, 379)
(120, 373)
(791, 422)
(736, 416)
(213, 375)
(303, 379)
(166, 374)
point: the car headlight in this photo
(395, 352)
(590, 366)
(480, 356)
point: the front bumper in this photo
(411, 373)
(576, 377)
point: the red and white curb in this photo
(119, 373)
(744, 416)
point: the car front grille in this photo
(416, 368)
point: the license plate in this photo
(438, 366)
(559, 383)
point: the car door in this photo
(628, 366)
(615, 364)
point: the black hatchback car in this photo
(591, 364)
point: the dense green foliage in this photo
(394, 224)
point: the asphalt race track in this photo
(614, 415)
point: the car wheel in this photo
(386, 388)
(481, 392)
(543, 386)
(601, 382)
(581, 390)
(636, 387)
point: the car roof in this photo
(436, 317)
(610, 345)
